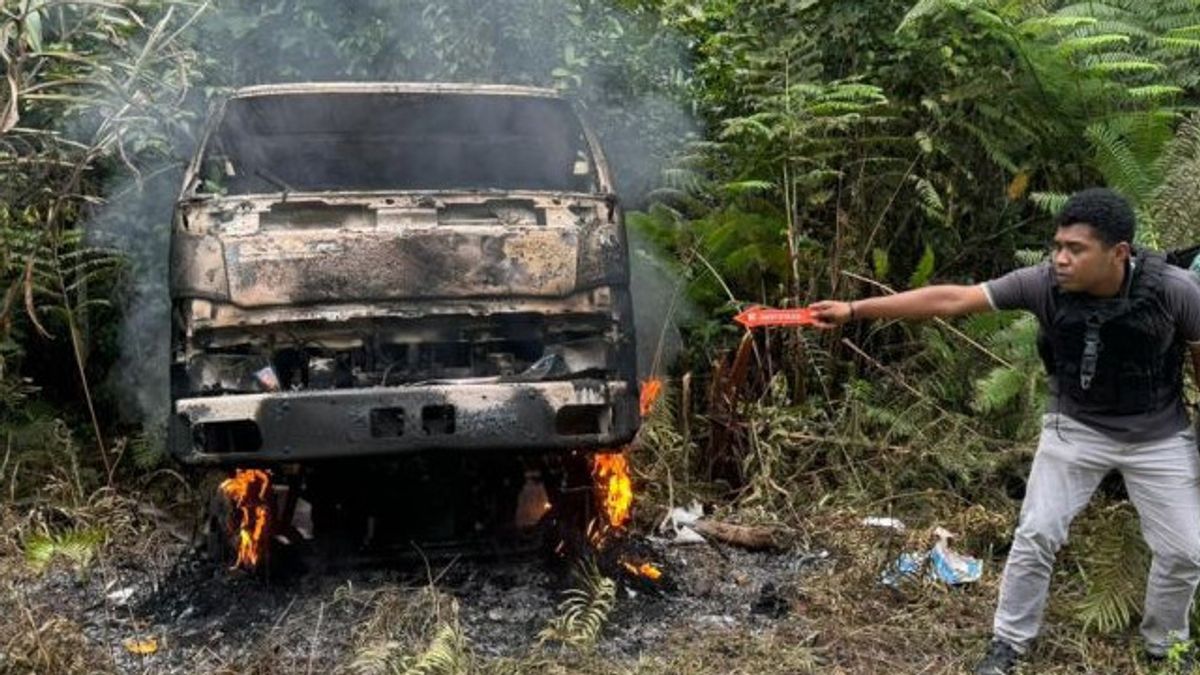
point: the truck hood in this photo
(260, 251)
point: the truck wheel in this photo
(220, 539)
(222, 535)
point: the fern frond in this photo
(1120, 63)
(1119, 165)
(1114, 563)
(1049, 202)
(924, 269)
(1184, 31)
(447, 654)
(1042, 25)
(1153, 92)
(1090, 43)
(78, 547)
(584, 610)
(1179, 44)
(1000, 388)
(377, 659)
(748, 187)
(1026, 257)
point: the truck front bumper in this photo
(258, 429)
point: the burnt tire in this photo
(220, 544)
(222, 533)
(570, 490)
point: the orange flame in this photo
(611, 472)
(644, 570)
(248, 490)
(614, 487)
(651, 389)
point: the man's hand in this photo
(830, 313)
(920, 303)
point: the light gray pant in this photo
(1163, 481)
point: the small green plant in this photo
(1016, 388)
(398, 624)
(1179, 660)
(79, 547)
(1113, 563)
(584, 611)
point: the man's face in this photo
(1083, 263)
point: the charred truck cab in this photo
(374, 270)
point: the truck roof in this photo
(284, 89)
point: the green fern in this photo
(664, 447)
(447, 654)
(1087, 43)
(929, 199)
(1027, 257)
(925, 9)
(584, 611)
(148, 448)
(1049, 202)
(924, 269)
(1113, 563)
(1039, 26)
(999, 389)
(377, 659)
(78, 547)
(1175, 207)
(1154, 92)
(1121, 167)
(880, 263)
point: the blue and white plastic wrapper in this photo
(945, 565)
(953, 568)
(905, 568)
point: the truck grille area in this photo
(390, 353)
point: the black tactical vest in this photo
(1115, 356)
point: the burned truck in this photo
(384, 270)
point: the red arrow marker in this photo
(765, 316)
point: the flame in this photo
(614, 489)
(248, 490)
(643, 570)
(611, 473)
(651, 388)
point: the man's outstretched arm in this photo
(920, 303)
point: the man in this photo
(1115, 323)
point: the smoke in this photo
(660, 307)
(621, 69)
(136, 220)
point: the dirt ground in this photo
(205, 618)
(153, 604)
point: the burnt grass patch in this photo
(201, 617)
(816, 606)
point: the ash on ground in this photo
(190, 615)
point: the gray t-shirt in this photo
(1032, 289)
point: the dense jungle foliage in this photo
(774, 152)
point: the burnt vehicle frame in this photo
(383, 270)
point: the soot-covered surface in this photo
(310, 616)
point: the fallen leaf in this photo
(146, 646)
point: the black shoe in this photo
(1001, 659)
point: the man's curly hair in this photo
(1109, 214)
